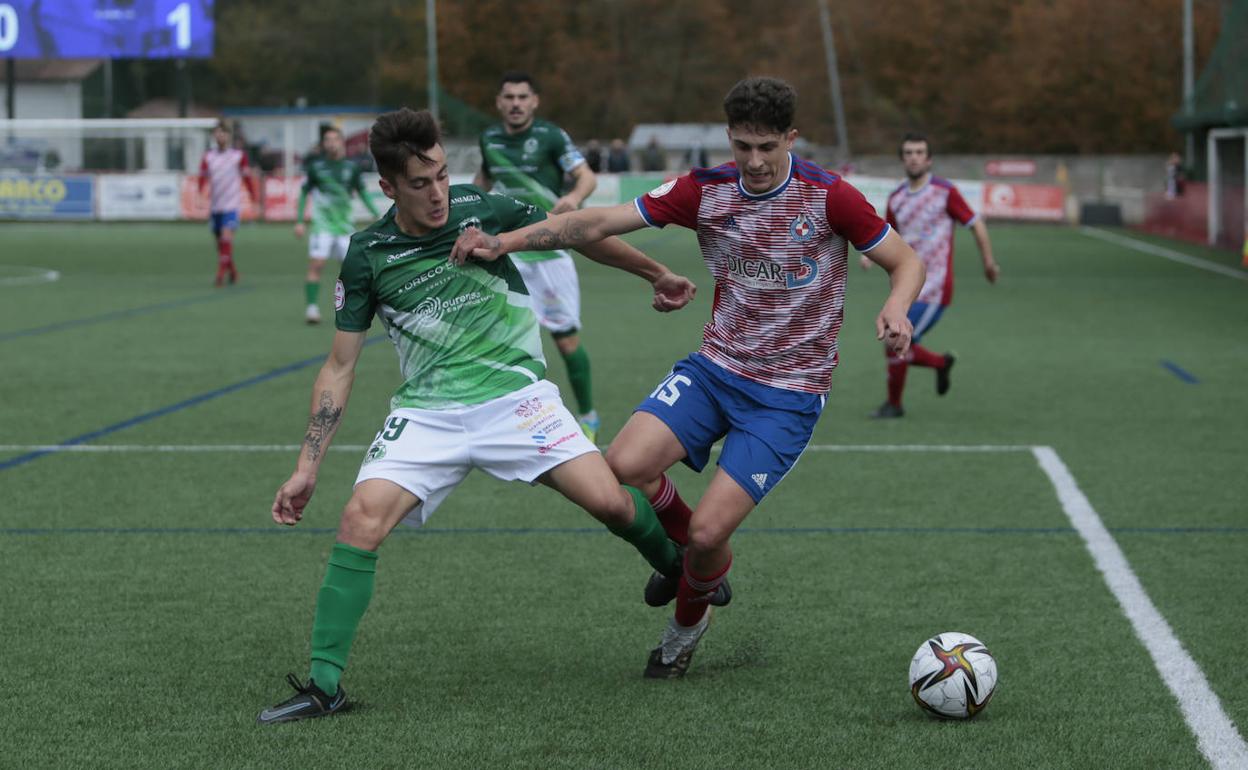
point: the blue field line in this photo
(116, 314)
(1180, 372)
(166, 410)
(430, 531)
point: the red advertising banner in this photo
(1046, 203)
(1010, 168)
(196, 205)
(281, 198)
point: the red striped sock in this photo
(897, 367)
(921, 356)
(694, 594)
(674, 514)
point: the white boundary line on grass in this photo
(1162, 251)
(1215, 734)
(38, 275)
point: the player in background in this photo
(923, 210)
(224, 173)
(526, 157)
(331, 178)
(774, 231)
(473, 395)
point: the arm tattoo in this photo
(321, 424)
(572, 234)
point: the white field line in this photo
(1162, 251)
(1215, 734)
(191, 448)
(37, 275)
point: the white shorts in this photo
(326, 245)
(554, 291)
(517, 437)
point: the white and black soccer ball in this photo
(953, 675)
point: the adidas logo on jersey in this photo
(760, 479)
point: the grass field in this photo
(150, 608)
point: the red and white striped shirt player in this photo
(224, 172)
(774, 231)
(923, 210)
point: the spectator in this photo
(593, 156)
(653, 158)
(1175, 180)
(696, 157)
(617, 158)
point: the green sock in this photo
(578, 374)
(340, 604)
(648, 536)
(312, 289)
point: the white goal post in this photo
(74, 145)
(1215, 183)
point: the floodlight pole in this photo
(431, 48)
(1189, 81)
(10, 86)
(834, 83)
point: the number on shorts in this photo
(669, 390)
(394, 428)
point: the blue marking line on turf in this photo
(166, 410)
(278, 530)
(116, 314)
(1180, 372)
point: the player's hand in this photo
(895, 329)
(864, 262)
(564, 205)
(474, 244)
(300, 229)
(292, 497)
(672, 292)
(992, 271)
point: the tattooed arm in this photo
(329, 400)
(564, 231)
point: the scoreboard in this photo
(105, 29)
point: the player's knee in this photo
(707, 536)
(613, 507)
(361, 526)
(630, 467)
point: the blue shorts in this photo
(222, 220)
(767, 428)
(923, 316)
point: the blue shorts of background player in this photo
(223, 220)
(765, 429)
(923, 316)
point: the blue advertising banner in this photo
(25, 196)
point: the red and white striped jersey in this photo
(924, 218)
(224, 170)
(779, 262)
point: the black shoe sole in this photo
(661, 590)
(942, 375)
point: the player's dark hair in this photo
(327, 127)
(397, 136)
(765, 104)
(224, 125)
(518, 76)
(913, 136)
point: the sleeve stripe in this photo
(864, 248)
(641, 209)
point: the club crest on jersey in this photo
(470, 222)
(801, 229)
(662, 189)
(340, 295)
(530, 146)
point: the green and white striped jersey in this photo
(464, 335)
(331, 183)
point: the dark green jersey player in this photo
(527, 158)
(331, 179)
(473, 393)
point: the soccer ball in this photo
(952, 675)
